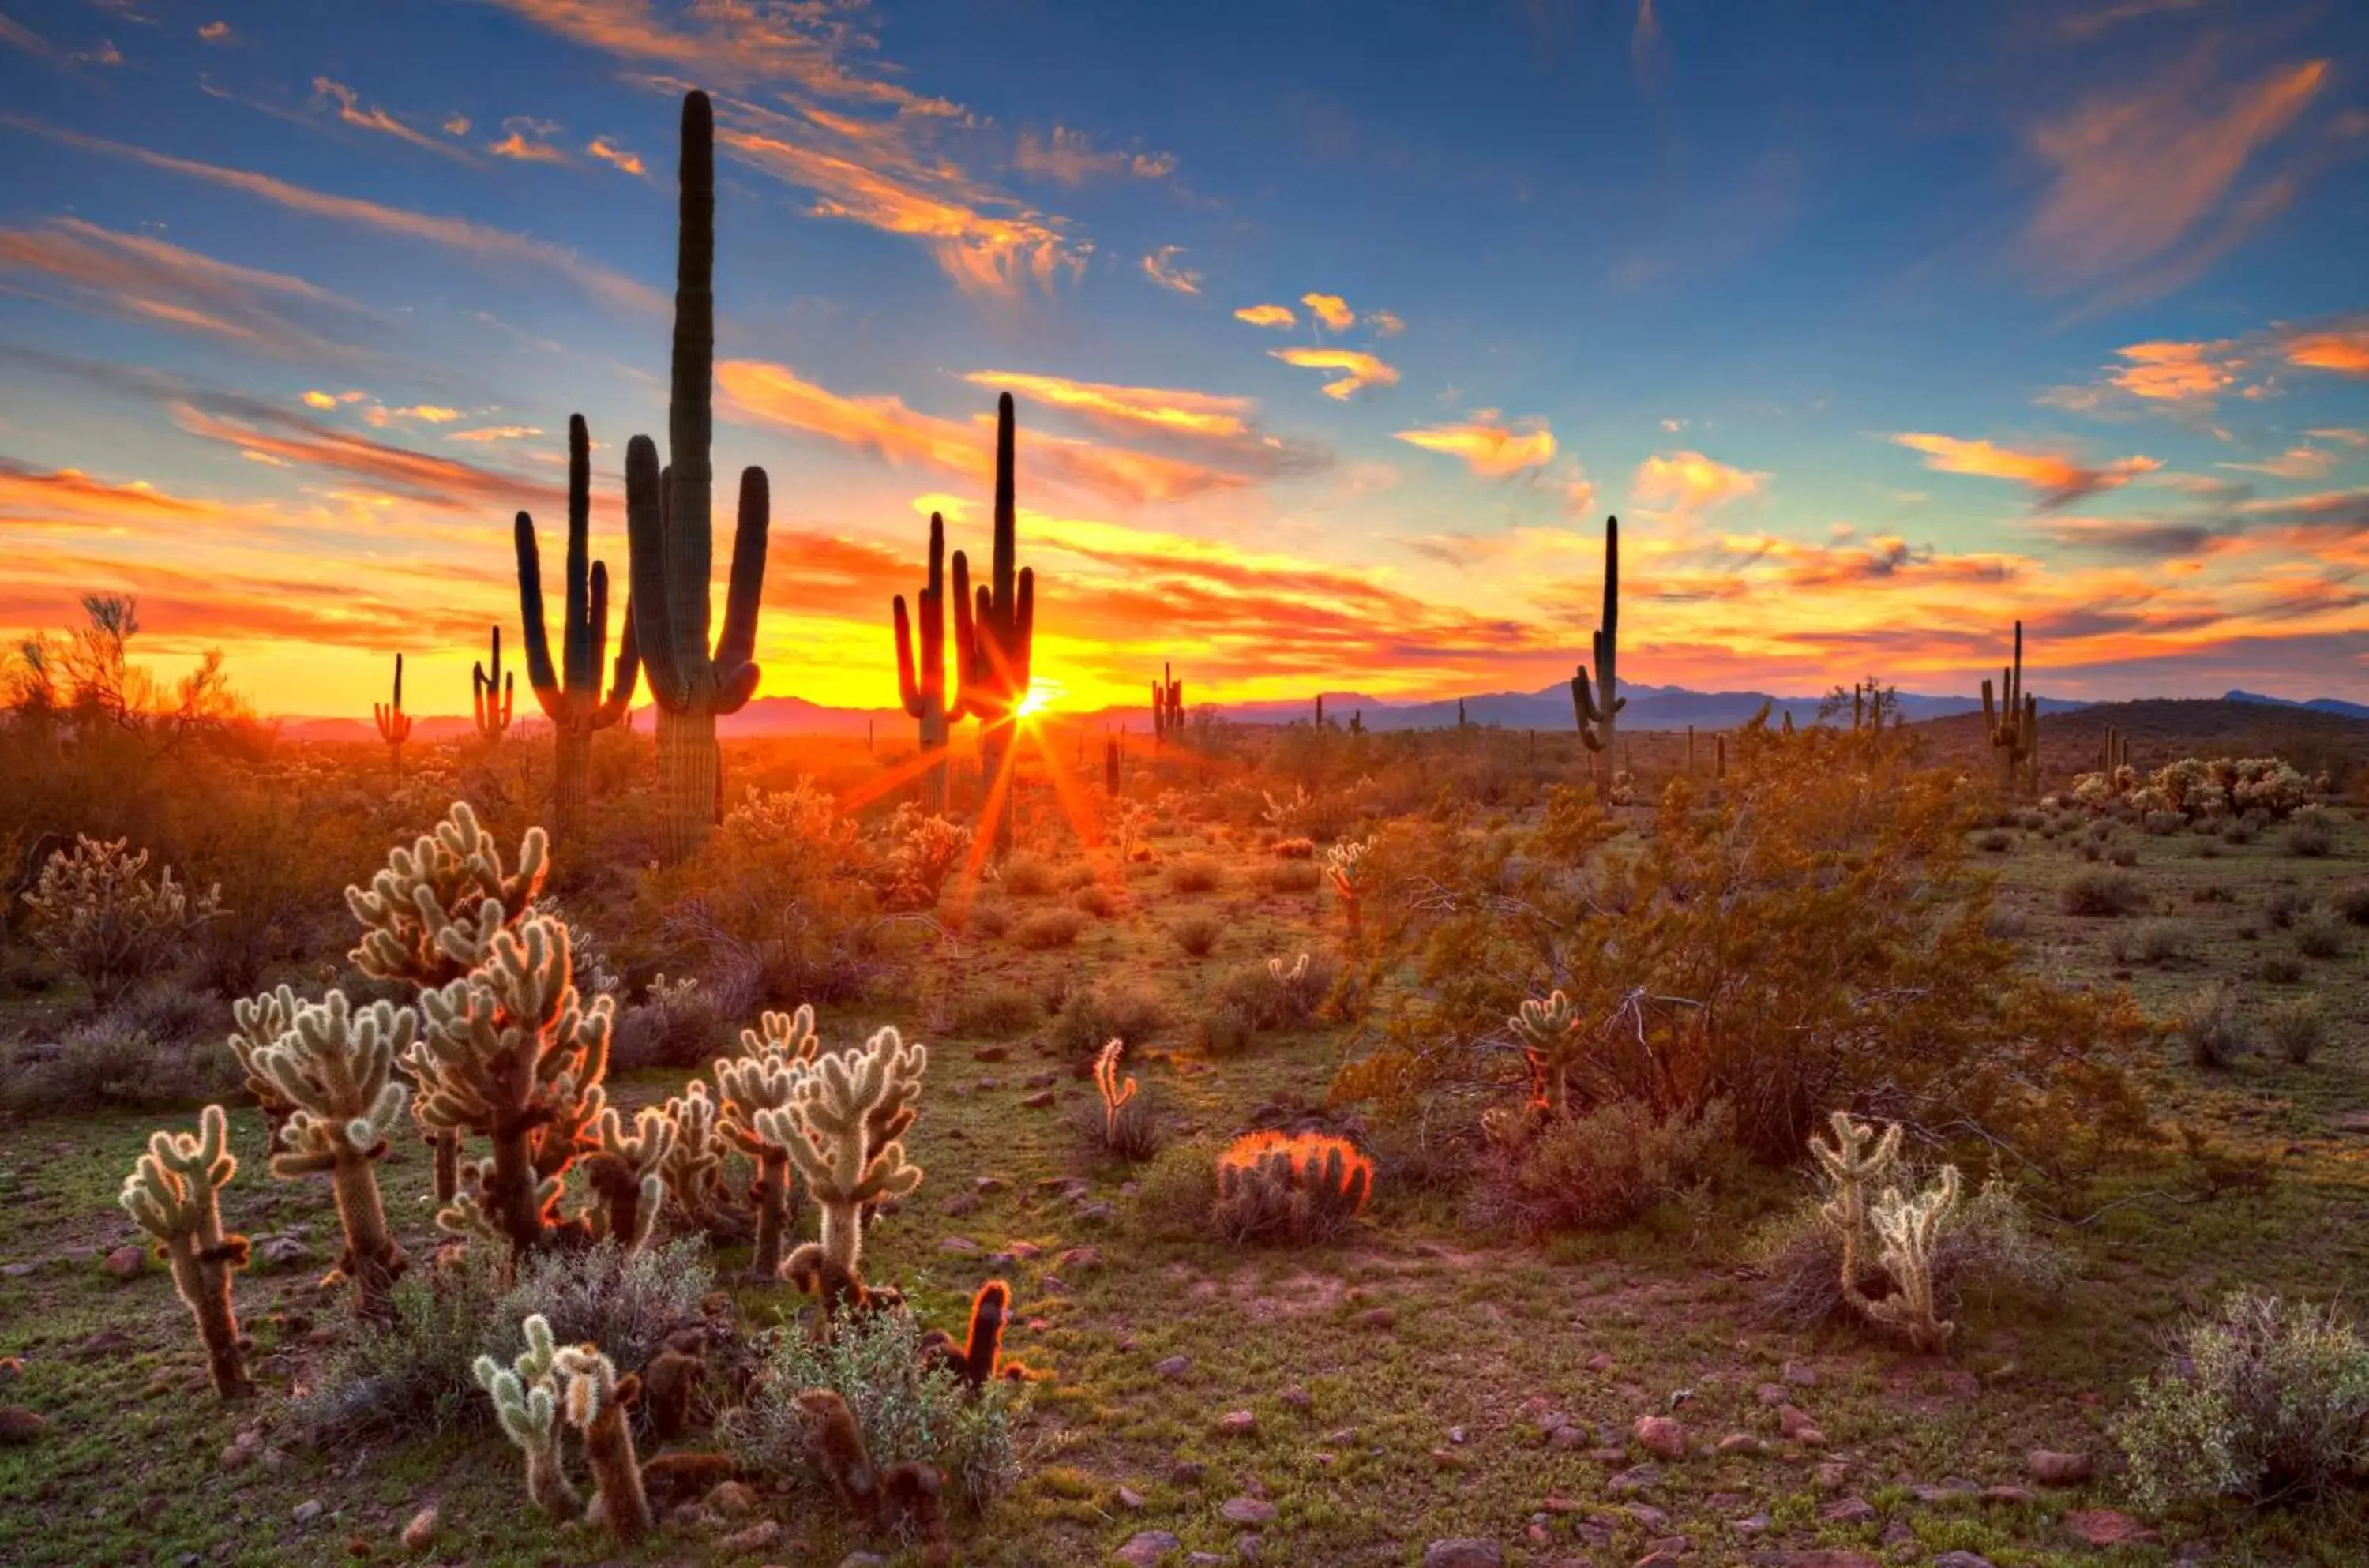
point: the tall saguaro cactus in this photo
(490, 695)
(668, 523)
(1597, 707)
(569, 694)
(1167, 707)
(2014, 724)
(394, 723)
(922, 668)
(995, 637)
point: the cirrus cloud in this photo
(2055, 480)
(1352, 370)
(1488, 445)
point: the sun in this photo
(1041, 694)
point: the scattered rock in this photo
(1131, 1499)
(2106, 1527)
(1078, 1260)
(1145, 1548)
(18, 1425)
(1801, 1373)
(2052, 1469)
(960, 1244)
(1814, 1557)
(1743, 1443)
(1187, 1472)
(1296, 1398)
(756, 1538)
(1465, 1552)
(1848, 1511)
(305, 1513)
(1173, 1366)
(1670, 1549)
(17, 1270)
(280, 1251)
(1238, 1422)
(1961, 1560)
(1247, 1511)
(1448, 1458)
(1600, 1362)
(1662, 1435)
(1830, 1477)
(1772, 1393)
(733, 1499)
(1566, 1436)
(1652, 1518)
(959, 1204)
(2010, 1494)
(418, 1535)
(1636, 1477)
(126, 1261)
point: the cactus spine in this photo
(772, 1059)
(333, 1065)
(2014, 724)
(922, 668)
(490, 696)
(668, 523)
(1167, 707)
(995, 637)
(526, 1402)
(569, 693)
(174, 1193)
(842, 1130)
(394, 723)
(1598, 705)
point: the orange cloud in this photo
(805, 45)
(1161, 268)
(2055, 480)
(1685, 482)
(2135, 174)
(349, 110)
(277, 437)
(455, 125)
(1268, 315)
(1385, 324)
(496, 433)
(328, 400)
(215, 32)
(1488, 446)
(2345, 353)
(1069, 156)
(456, 234)
(381, 415)
(1170, 411)
(518, 144)
(609, 152)
(2177, 372)
(1352, 371)
(1332, 310)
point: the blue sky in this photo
(1336, 329)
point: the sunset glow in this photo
(2038, 309)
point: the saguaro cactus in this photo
(1167, 707)
(995, 637)
(526, 1402)
(394, 723)
(773, 1059)
(490, 695)
(1597, 707)
(922, 668)
(2114, 752)
(174, 1193)
(2014, 724)
(669, 525)
(569, 694)
(333, 1065)
(843, 1130)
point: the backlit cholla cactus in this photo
(1551, 1040)
(1910, 1229)
(594, 1402)
(1343, 863)
(774, 1058)
(173, 1193)
(1852, 1166)
(1116, 1093)
(1303, 1187)
(626, 1172)
(693, 1166)
(332, 1065)
(841, 1129)
(526, 1400)
(924, 852)
(513, 1054)
(97, 916)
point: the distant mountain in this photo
(2316, 704)
(765, 716)
(1650, 707)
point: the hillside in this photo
(2163, 729)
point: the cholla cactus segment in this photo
(1115, 1092)
(1552, 1038)
(1341, 862)
(1910, 1231)
(335, 1066)
(259, 1022)
(1290, 977)
(99, 916)
(173, 1193)
(693, 1166)
(526, 1402)
(593, 1406)
(775, 1057)
(842, 1128)
(1546, 1024)
(627, 1169)
(430, 913)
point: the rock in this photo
(988, 1186)
(1816, 1557)
(1670, 1549)
(991, 1054)
(1662, 1435)
(1238, 1422)
(1187, 1472)
(2052, 1469)
(282, 1249)
(860, 1559)
(1792, 1420)
(1246, 1547)
(1247, 1511)
(1145, 1548)
(2010, 1494)
(1131, 1499)
(1801, 1373)
(756, 1538)
(961, 1245)
(1038, 1100)
(18, 1425)
(1772, 1393)
(1464, 1551)
(17, 1270)
(1078, 1260)
(1099, 1213)
(418, 1535)
(1636, 1477)
(1296, 1398)
(959, 1204)
(1652, 1518)
(1600, 1362)
(126, 1261)
(1173, 1366)
(733, 1499)
(1848, 1511)
(2106, 1527)
(305, 1513)
(1378, 1318)
(1743, 1443)
(1566, 1436)
(1448, 1458)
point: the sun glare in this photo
(1042, 694)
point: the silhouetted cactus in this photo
(995, 635)
(490, 695)
(394, 723)
(668, 523)
(2014, 724)
(922, 670)
(569, 694)
(1597, 706)
(174, 1193)
(2114, 752)
(1167, 707)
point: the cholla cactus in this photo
(1910, 1228)
(1115, 1092)
(841, 1129)
(693, 1166)
(1856, 1160)
(96, 915)
(1342, 865)
(513, 1054)
(1285, 815)
(1291, 977)
(924, 850)
(1300, 1187)
(526, 1402)
(626, 1173)
(174, 1193)
(1550, 1033)
(773, 1059)
(332, 1065)
(593, 1406)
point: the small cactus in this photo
(625, 1169)
(526, 1402)
(1115, 1093)
(1341, 866)
(1910, 1228)
(772, 1059)
(491, 695)
(843, 1130)
(1298, 1187)
(1550, 1031)
(394, 723)
(594, 1402)
(174, 1193)
(1597, 706)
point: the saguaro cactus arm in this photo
(569, 692)
(1596, 707)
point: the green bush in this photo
(2269, 1402)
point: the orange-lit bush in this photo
(1300, 1186)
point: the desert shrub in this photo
(2319, 933)
(2121, 853)
(2100, 892)
(2309, 836)
(1095, 900)
(412, 1373)
(1222, 1029)
(2279, 970)
(1176, 1191)
(1119, 1008)
(2163, 823)
(1601, 1169)
(1291, 876)
(101, 1063)
(2152, 941)
(905, 1410)
(2281, 906)
(675, 1025)
(1130, 1129)
(2208, 850)
(997, 1011)
(1986, 1247)
(924, 852)
(1041, 929)
(2269, 1401)
(988, 920)
(2007, 923)
(1293, 849)
(2238, 830)
(1197, 933)
(1028, 877)
(1276, 995)
(2352, 901)
(1194, 874)
(2212, 893)
(2209, 1027)
(779, 905)
(2296, 1027)
(1997, 842)
(102, 920)
(1293, 1188)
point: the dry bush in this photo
(1028, 877)
(676, 1026)
(1293, 849)
(2281, 906)
(1222, 1029)
(925, 851)
(2298, 1026)
(1194, 874)
(2352, 901)
(2152, 941)
(988, 920)
(1291, 876)
(1601, 1169)
(2100, 892)
(1119, 1008)
(2310, 837)
(2321, 934)
(997, 1011)
(102, 920)
(94, 1064)
(1096, 899)
(1275, 994)
(2279, 970)
(1043, 929)
(2209, 1027)
(1197, 933)
(1175, 1193)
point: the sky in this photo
(1335, 331)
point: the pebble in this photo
(418, 1534)
(1661, 1434)
(1247, 1511)
(1238, 1422)
(2052, 1469)
(756, 1538)
(305, 1513)
(1464, 1551)
(1173, 1366)
(1848, 1511)
(1145, 1548)
(125, 1262)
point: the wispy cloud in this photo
(496, 433)
(609, 152)
(2084, 25)
(2344, 350)
(1489, 446)
(528, 141)
(462, 235)
(2054, 479)
(1069, 157)
(1352, 370)
(280, 437)
(1268, 315)
(1331, 310)
(349, 110)
(215, 32)
(1683, 483)
(1163, 269)
(1169, 410)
